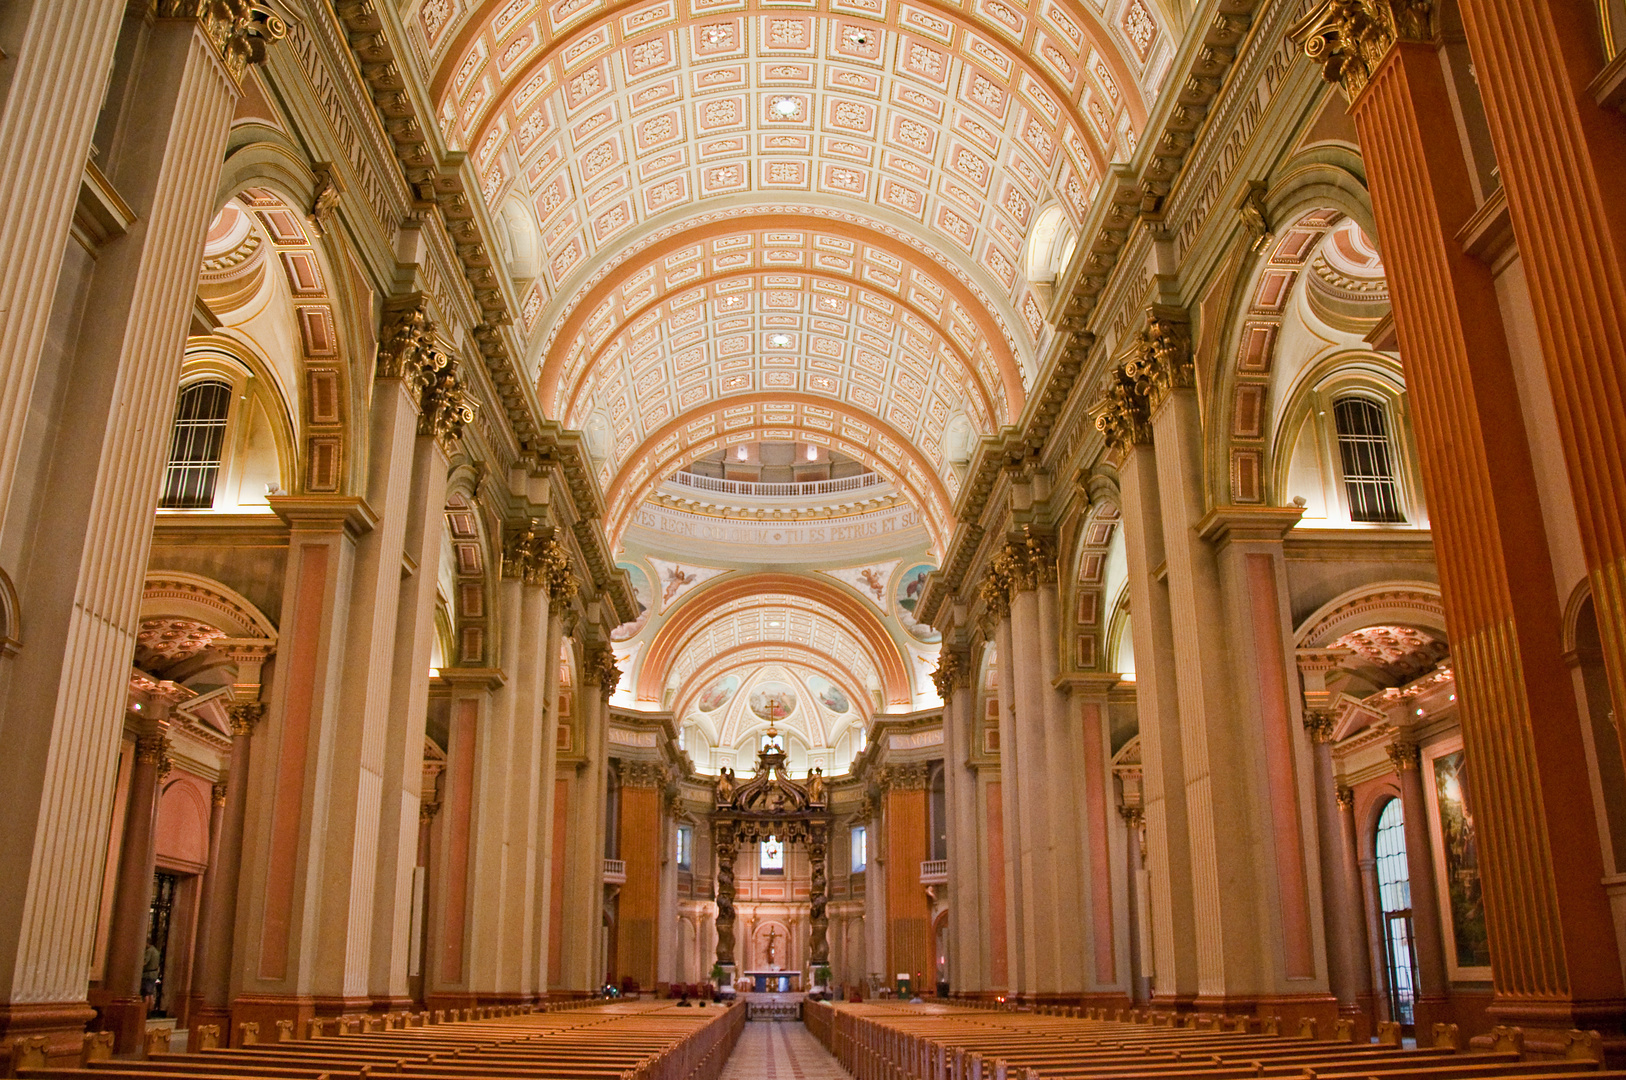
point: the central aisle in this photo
(780, 1051)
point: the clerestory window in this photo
(1368, 461)
(195, 446)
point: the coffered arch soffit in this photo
(737, 610)
(965, 120)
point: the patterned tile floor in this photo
(780, 1051)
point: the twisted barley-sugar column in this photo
(1553, 956)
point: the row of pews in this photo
(944, 1042)
(625, 1041)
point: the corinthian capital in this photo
(1041, 555)
(1402, 755)
(1161, 362)
(239, 30)
(1122, 412)
(519, 551)
(995, 591)
(444, 402)
(553, 563)
(1318, 725)
(406, 340)
(244, 715)
(601, 668)
(1016, 567)
(1349, 38)
(950, 673)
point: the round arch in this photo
(693, 611)
(1413, 603)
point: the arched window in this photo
(195, 446)
(1367, 460)
(1394, 893)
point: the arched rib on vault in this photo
(564, 342)
(693, 613)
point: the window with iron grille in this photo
(195, 446)
(1367, 460)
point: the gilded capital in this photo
(904, 777)
(1346, 797)
(1122, 413)
(1402, 755)
(519, 551)
(1041, 555)
(406, 340)
(554, 567)
(239, 30)
(218, 793)
(1133, 816)
(950, 674)
(152, 749)
(1016, 568)
(244, 716)
(641, 774)
(601, 669)
(1350, 38)
(1318, 725)
(995, 591)
(445, 405)
(1161, 362)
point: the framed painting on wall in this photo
(1448, 789)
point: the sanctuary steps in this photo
(626, 1041)
(933, 1042)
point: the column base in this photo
(126, 1018)
(1177, 1003)
(383, 1005)
(265, 1010)
(203, 1014)
(442, 1002)
(1293, 1009)
(61, 1024)
(1547, 1025)
(1361, 1014)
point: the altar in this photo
(775, 982)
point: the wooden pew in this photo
(895, 1041)
(629, 1041)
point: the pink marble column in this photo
(212, 957)
(126, 1014)
(1140, 983)
(206, 891)
(1351, 902)
(1346, 960)
(1427, 934)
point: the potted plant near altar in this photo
(821, 983)
(719, 979)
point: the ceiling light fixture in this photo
(786, 108)
(779, 341)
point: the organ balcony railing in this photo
(934, 872)
(615, 871)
